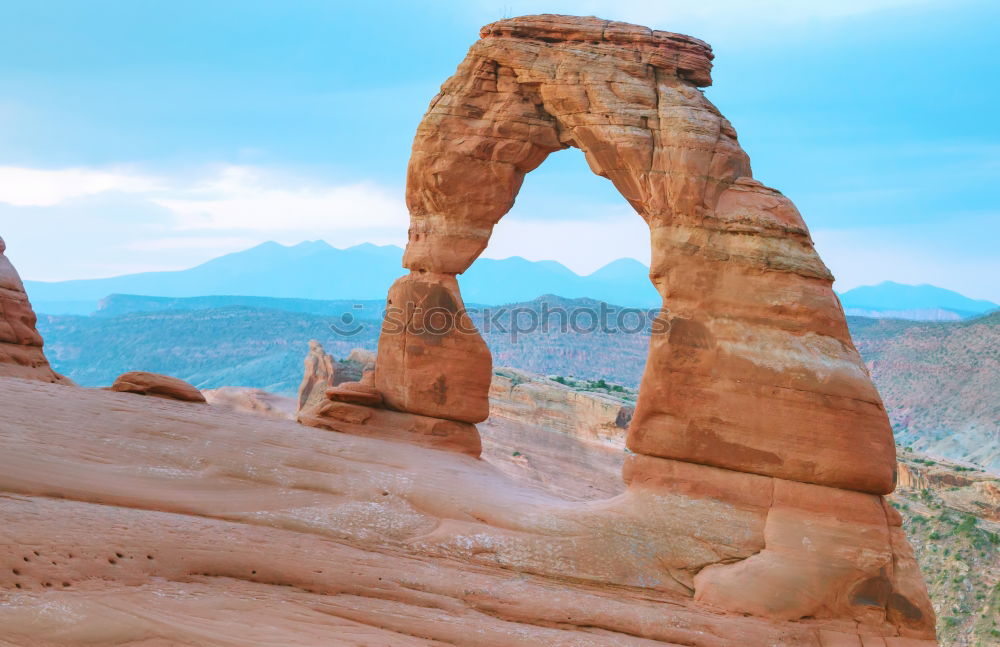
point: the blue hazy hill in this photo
(314, 270)
(890, 299)
(309, 270)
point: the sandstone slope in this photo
(20, 344)
(131, 520)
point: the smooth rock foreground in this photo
(145, 521)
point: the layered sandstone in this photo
(322, 372)
(195, 525)
(961, 488)
(21, 352)
(751, 368)
(318, 376)
(156, 385)
(544, 404)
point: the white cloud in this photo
(29, 187)
(241, 197)
(232, 243)
(90, 222)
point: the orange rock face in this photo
(318, 376)
(21, 352)
(154, 384)
(431, 359)
(752, 368)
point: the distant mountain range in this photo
(314, 270)
(917, 302)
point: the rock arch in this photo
(757, 372)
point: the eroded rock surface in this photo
(194, 525)
(320, 369)
(251, 400)
(21, 352)
(154, 384)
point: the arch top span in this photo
(626, 95)
(757, 372)
(679, 54)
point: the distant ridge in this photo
(317, 271)
(890, 300)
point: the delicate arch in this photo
(757, 372)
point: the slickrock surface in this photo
(21, 352)
(249, 400)
(950, 512)
(154, 384)
(753, 368)
(144, 521)
(542, 403)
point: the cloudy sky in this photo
(158, 134)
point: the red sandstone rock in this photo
(431, 359)
(21, 352)
(355, 393)
(365, 358)
(754, 369)
(350, 414)
(318, 376)
(161, 386)
(589, 417)
(198, 525)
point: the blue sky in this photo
(155, 135)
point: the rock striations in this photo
(156, 385)
(20, 344)
(754, 401)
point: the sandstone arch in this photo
(757, 372)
